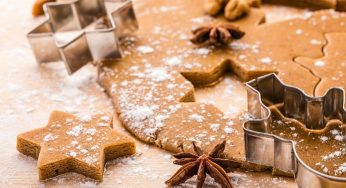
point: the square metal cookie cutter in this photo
(267, 149)
(69, 33)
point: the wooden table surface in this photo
(30, 92)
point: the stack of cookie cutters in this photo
(270, 150)
(69, 34)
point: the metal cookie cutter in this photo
(270, 150)
(69, 33)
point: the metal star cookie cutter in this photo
(69, 33)
(270, 150)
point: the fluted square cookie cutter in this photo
(271, 150)
(69, 33)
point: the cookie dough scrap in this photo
(158, 106)
(152, 101)
(74, 144)
(323, 150)
(331, 68)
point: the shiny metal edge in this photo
(46, 48)
(265, 149)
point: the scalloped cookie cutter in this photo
(280, 153)
(69, 33)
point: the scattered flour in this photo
(197, 118)
(145, 49)
(75, 131)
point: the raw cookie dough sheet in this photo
(30, 92)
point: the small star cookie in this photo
(74, 144)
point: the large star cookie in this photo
(72, 144)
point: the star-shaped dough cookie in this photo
(74, 144)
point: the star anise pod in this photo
(201, 164)
(216, 34)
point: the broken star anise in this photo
(201, 164)
(216, 34)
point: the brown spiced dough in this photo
(146, 95)
(331, 68)
(152, 86)
(323, 150)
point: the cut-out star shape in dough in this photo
(74, 144)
